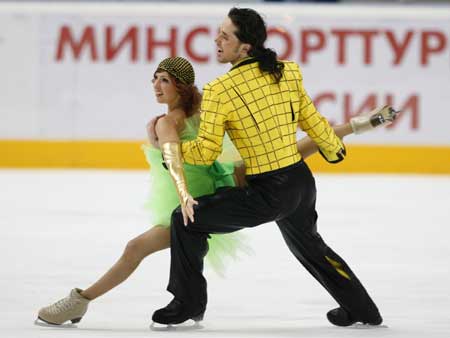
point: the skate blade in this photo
(176, 327)
(40, 322)
(360, 326)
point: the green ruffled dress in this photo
(201, 180)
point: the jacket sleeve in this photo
(318, 128)
(208, 144)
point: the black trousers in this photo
(287, 196)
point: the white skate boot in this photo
(73, 307)
(380, 116)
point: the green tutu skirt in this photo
(201, 180)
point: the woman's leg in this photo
(155, 239)
(74, 306)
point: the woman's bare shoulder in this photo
(166, 122)
(169, 123)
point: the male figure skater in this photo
(259, 102)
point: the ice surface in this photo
(63, 229)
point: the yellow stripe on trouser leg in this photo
(338, 267)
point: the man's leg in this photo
(226, 211)
(299, 230)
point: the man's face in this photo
(229, 48)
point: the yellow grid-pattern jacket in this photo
(261, 118)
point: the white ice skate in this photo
(71, 308)
(378, 117)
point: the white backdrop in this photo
(83, 71)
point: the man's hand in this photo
(151, 131)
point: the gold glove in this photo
(171, 152)
(378, 117)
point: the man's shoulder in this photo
(291, 69)
(235, 76)
(219, 84)
(215, 83)
(290, 65)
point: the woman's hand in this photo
(151, 131)
(239, 174)
(188, 210)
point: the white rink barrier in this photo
(77, 76)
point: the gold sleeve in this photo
(172, 157)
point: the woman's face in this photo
(165, 89)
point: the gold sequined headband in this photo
(180, 68)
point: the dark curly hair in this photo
(252, 29)
(190, 98)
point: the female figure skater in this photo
(173, 84)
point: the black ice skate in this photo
(176, 313)
(341, 317)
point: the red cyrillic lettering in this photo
(308, 45)
(131, 37)
(87, 40)
(411, 104)
(399, 47)
(326, 96)
(368, 38)
(188, 44)
(368, 104)
(341, 49)
(152, 44)
(427, 49)
(321, 98)
(286, 55)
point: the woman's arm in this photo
(307, 147)
(357, 125)
(169, 143)
(381, 116)
(166, 130)
(151, 131)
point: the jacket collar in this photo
(244, 61)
